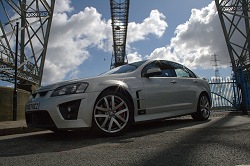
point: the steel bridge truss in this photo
(35, 17)
(119, 16)
(235, 17)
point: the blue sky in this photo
(186, 31)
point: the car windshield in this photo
(124, 68)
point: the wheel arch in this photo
(121, 89)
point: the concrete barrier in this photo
(6, 100)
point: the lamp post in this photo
(15, 78)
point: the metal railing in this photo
(225, 94)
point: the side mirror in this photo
(152, 72)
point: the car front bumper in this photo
(61, 112)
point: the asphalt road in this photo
(223, 140)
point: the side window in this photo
(149, 66)
(182, 71)
(166, 69)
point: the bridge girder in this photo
(234, 17)
(35, 17)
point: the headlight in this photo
(79, 87)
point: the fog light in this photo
(69, 110)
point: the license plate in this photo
(32, 107)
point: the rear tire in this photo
(112, 114)
(203, 109)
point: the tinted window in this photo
(166, 69)
(151, 65)
(182, 71)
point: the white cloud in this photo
(154, 24)
(163, 53)
(133, 57)
(196, 40)
(63, 6)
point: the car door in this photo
(161, 91)
(188, 86)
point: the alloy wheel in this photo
(111, 114)
(204, 107)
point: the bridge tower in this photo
(234, 16)
(119, 16)
(35, 17)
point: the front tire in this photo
(112, 114)
(203, 109)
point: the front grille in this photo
(39, 119)
(41, 94)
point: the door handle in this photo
(195, 81)
(173, 81)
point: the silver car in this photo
(112, 101)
